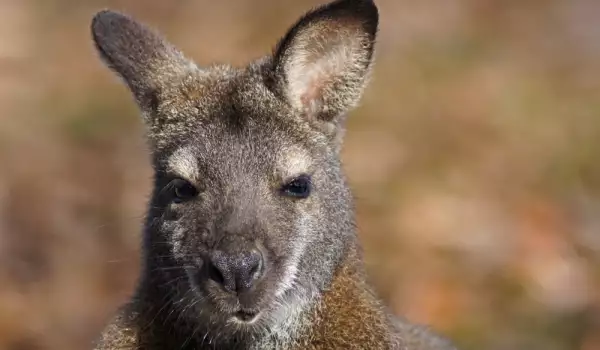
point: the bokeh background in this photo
(474, 158)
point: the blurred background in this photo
(474, 159)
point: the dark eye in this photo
(299, 187)
(183, 190)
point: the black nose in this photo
(236, 272)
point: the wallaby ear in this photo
(322, 64)
(144, 59)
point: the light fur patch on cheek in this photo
(183, 163)
(176, 236)
(299, 246)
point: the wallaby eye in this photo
(299, 187)
(183, 190)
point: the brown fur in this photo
(233, 139)
(349, 316)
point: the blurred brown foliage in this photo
(474, 160)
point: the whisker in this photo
(170, 268)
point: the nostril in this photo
(254, 271)
(256, 263)
(215, 274)
(250, 270)
(221, 270)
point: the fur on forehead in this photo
(226, 100)
(177, 111)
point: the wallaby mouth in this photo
(247, 316)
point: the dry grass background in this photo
(474, 160)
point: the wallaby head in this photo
(251, 213)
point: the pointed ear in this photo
(322, 64)
(139, 55)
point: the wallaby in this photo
(250, 239)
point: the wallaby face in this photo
(250, 211)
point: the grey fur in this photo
(238, 135)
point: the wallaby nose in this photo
(236, 272)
